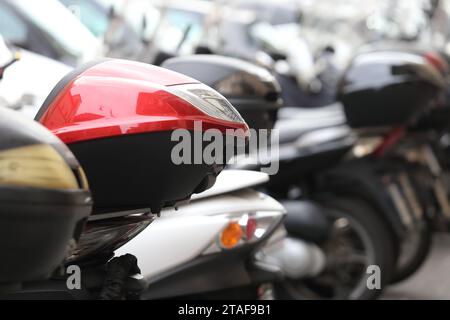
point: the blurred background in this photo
(308, 40)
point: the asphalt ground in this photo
(432, 280)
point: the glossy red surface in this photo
(389, 141)
(120, 97)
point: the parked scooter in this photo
(363, 191)
(242, 252)
(227, 243)
(133, 127)
(242, 83)
(409, 196)
(44, 201)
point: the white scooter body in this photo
(184, 234)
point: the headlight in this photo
(37, 166)
(208, 101)
(244, 229)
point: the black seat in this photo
(303, 154)
(332, 111)
(307, 221)
(294, 122)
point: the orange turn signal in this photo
(231, 235)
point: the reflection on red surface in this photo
(120, 97)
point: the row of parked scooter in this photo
(93, 206)
(361, 183)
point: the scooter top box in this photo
(252, 90)
(44, 200)
(386, 88)
(118, 118)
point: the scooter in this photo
(324, 147)
(44, 201)
(410, 195)
(306, 221)
(333, 115)
(124, 207)
(227, 243)
(211, 263)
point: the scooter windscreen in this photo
(44, 200)
(140, 132)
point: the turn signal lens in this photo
(231, 235)
(36, 166)
(245, 229)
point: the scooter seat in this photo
(305, 121)
(310, 153)
(307, 221)
(332, 111)
(314, 150)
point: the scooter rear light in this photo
(244, 229)
(108, 235)
(208, 101)
(250, 229)
(119, 98)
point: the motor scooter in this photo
(106, 112)
(307, 149)
(44, 201)
(208, 266)
(227, 243)
(413, 196)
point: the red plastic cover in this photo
(118, 97)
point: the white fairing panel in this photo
(233, 180)
(241, 201)
(180, 236)
(169, 243)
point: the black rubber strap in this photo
(117, 272)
